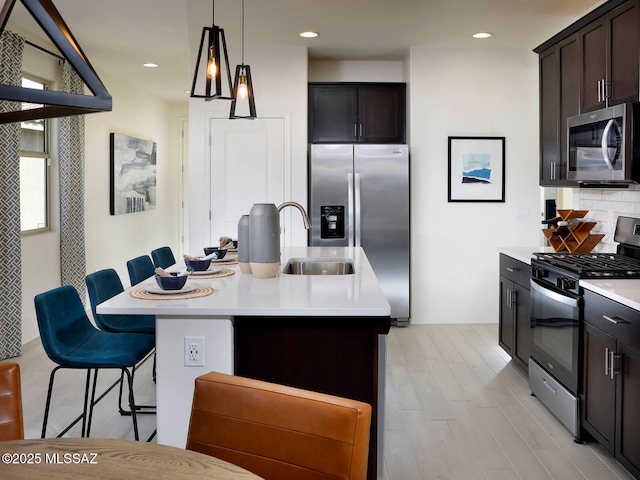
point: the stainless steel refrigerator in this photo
(359, 196)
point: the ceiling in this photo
(118, 36)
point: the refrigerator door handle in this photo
(350, 218)
(357, 209)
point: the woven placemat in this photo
(225, 272)
(143, 294)
(225, 261)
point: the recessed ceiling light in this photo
(150, 65)
(309, 34)
(482, 35)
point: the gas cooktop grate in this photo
(593, 264)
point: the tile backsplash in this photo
(604, 206)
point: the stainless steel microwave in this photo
(602, 146)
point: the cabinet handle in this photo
(355, 129)
(360, 129)
(605, 93)
(508, 299)
(599, 90)
(606, 361)
(617, 320)
(512, 270)
(611, 360)
(553, 170)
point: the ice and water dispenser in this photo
(332, 221)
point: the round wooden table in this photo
(108, 459)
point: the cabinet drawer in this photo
(515, 270)
(597, 307)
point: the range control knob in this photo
(566, 284)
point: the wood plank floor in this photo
(456, 409)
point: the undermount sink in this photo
(319, 266)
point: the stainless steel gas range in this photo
(555, 366)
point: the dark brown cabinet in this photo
(514, 322)
(357, 112)
(611, 378)
(609, 55)
(559, 100)
(591, 64)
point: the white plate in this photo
(209, 271)
(159, 291)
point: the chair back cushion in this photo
(101, 286)
(140, 268)
(11, 426)
(279, 432)
(163, 257)
(62, 322)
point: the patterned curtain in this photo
(72, 248)
(11, 47)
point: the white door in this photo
(248, 165)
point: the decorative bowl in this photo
(174, 282)
(198, 265)
(220, 252)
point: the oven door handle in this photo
(558, 297)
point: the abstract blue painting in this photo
(476, 169)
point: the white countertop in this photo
(523, 254)
(358, 294)
(624, 291)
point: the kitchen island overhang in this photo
(321, 332)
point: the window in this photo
(34, 168)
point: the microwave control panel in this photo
(332, 221)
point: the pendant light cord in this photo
(242, 33)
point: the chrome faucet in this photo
(305, 217)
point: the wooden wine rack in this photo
(578, 239)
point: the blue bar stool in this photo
(103, 285)
(140, 268)
(72, 341)
(163, 257)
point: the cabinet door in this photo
(628, 421)
(506, 326)
(333, 113)
(522, 325)
(559, 100)
(598, 400)
(549, 116)
(624, 50)
(381, 114)
(593, 45)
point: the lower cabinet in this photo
(514, 322)
(611, 381)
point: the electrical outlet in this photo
(194, 351)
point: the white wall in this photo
(474, 92)
(356, 71)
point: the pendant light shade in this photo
(243, 97)
(210, 70)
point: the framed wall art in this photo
(133, 174)
(476, 169)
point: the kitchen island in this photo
(320, 332)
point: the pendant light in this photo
(242, 86)
(208, 85)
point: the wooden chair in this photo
(11, 424)
(279, 432)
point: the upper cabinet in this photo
(357, 112)
(592, 64)
(559, 100)
(610, 48)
